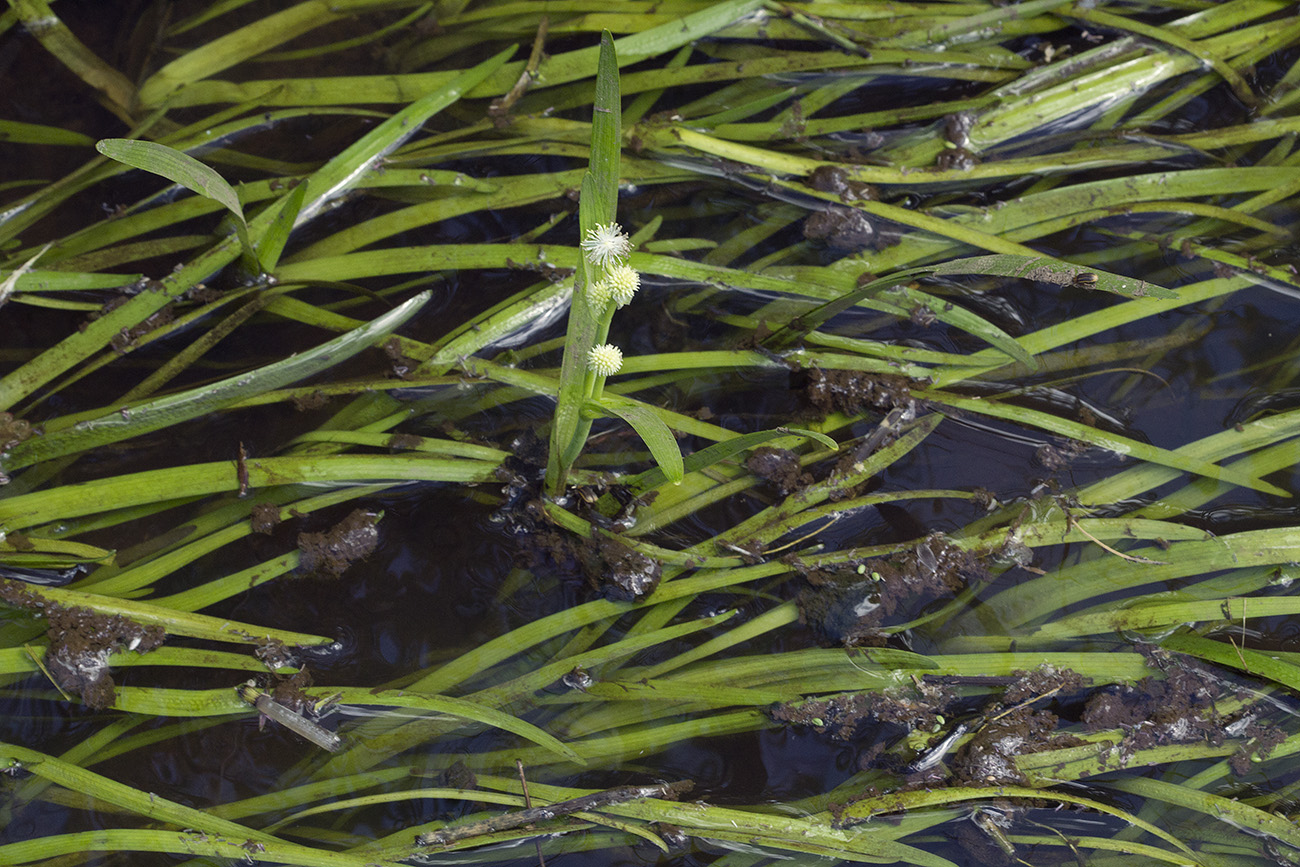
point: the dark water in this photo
(443, 577)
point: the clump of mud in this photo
(853, 392)
(835, 179)
(1178, 708)
(849, 605)
(842, 228)
(1012, 727)
(932, 708)
(602, 560)
(847, 717)
(988, 758)
(780, 467)
(1175, 709)
(289, 691)
(81, 640)
(1260, 741)
(126, 338)
(264, 518)
(403, 366)
(330, 553)
(625, 574)
(274, 654)
(310, 401)
(1060, 455)
(13, 431)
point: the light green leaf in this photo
(175, 166)
(651, 428)
(174, 622)
(277, 234)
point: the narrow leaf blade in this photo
(175, 166)
(651, 428)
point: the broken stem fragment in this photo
(528, 816)
(269, 707)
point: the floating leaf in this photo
(652, 430)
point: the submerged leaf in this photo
(125, 422)
(1045, 269)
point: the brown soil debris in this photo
(624, 573)
(403, 365)
(988, 758)
(842, 716)
(288, 691)
(840, 228)
(402, 442)
(1177, 709)
(853, 392)
(273, 653)
(845, 717)
(957, 127)
(125, 339)
(600, 559)
(13, 431)
(459, 776)
(329, 554)
(1059, 455)
(955, 158)
(309, 401)
(81, 640)
(265, 518)
(1261, 740)
(835, 179)
(849, 606)
(1044, 681)
(780, 467)
(1007, 727)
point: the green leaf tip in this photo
(181, 168)
(175, 166)
(653, 431)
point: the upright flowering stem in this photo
(603, 243)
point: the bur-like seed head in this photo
(605, 360)
(606, 244)
(623, 283)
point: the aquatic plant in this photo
(850, 271)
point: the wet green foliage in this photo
(800, 228)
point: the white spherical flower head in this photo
(623, 283)
(606, 244)
(605, 360)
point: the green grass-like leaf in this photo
(653, 432)
(122, 423)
